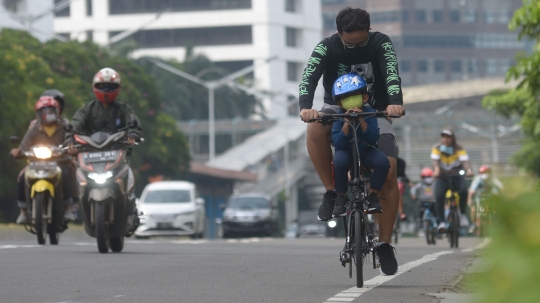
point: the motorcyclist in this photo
(47, 129)
(105, 113)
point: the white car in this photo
(171, 208)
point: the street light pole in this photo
(211, 86)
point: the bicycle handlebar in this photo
(328, 118)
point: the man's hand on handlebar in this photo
(15, 152)
(308, 114)
(71, 149)
(395, 110)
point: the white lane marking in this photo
(479, 246)
(350, 294)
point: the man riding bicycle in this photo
(448, 159)
(371, 55)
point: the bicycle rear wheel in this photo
(358, 256)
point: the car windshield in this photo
(248, 203)
(167, 196)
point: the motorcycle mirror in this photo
(68, 127)
(14, 139)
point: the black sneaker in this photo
(340, 208)
(387, 259)
(327, 206)
(372, 205)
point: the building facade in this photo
(439, 41)
(232, 33)
(30, 15)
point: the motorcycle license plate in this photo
(42, 165)
(103, 156)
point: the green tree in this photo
(29, 67)
(524, 101)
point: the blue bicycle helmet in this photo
(348, 83)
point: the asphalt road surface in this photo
(236, 270)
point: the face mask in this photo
(352, 102)
(428, 180)
(447, 149)
(50, 118)
(484, 176)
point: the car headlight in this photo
(100, 178)
(42, 152)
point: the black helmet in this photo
(57, 95)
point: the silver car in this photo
(250, 214)
(171, 208)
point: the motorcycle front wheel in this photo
(102, 234)
(40, 226)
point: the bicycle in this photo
(359, 240)
(429, 221)
(453, 218)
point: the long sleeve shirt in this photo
(376, 63)
(366, 138)
(94, 117)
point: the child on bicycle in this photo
(423, 193)
(350, 93)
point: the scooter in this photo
(106, 187)
(43, 183)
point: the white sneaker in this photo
(463, 220)
(441, 227)
(421, 234)
(21, 219)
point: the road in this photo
(236, 270)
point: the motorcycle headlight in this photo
(100, 178)
(42, 152)
(332, 224)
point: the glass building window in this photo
(293, 108)
(469, 16)
(179, 37)
(429, 41)
(422, 66)
(472, 66)
(292, 37)
(118, 7)
(455, 65)
(491, 66)
(405, 66)
(89, 35)
(291, 6)
(89, 7)
(439, 66)
(329, 21)
(420, 16)
(11, 5)
(437, 16)
(293, 74)
(454, 16)
(405, 16)
(65, 12)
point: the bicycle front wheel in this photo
(454, 229)
(359, 258)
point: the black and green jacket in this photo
(376, 63)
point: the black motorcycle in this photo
(106, 187)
